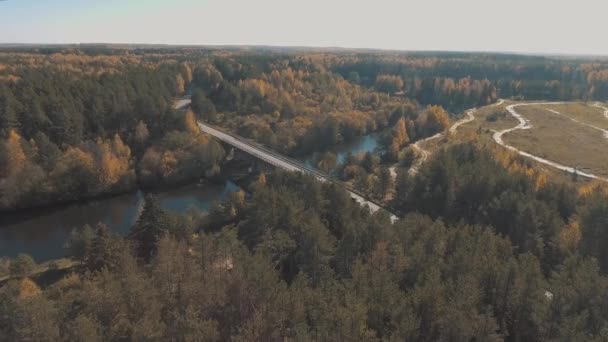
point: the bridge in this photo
(278, 160)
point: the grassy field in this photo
(556, 137)
(553, 136)
(582, 112)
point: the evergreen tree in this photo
(153, 223)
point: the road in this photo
(181, 103)
(599, 105)
(604, 132)
(470, 117)
(424, 154)
(525, 124)
(275, 159)
(281, 161)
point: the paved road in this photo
(525, 124)
(274, 158)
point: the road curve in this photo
(525, 124)
(599, 105)
(469, 117)
(424, 154)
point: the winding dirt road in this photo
(424, 154)
(525, 124)
(599, 105)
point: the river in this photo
(363, 144)
(43, 232)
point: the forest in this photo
(298, 260)
(79, 123)
(75, 126)
(488, 247)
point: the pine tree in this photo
(150, 227)
(104, 251)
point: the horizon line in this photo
(311, 47)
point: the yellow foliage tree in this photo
(28, 289)
(114, 161)
(399, 138)
(120, 148)
(569, 236)
(261, 179)
(190, 123)
(74, 157)
(437, 118)
(168, 164)
(400, 133)
(141, 132)
(14, 151)
(180, 84)
(541, 181)
(593, 187)
(187, 72)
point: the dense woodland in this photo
(488, 248)
(298, 260)
(83, 122)
(77, 126)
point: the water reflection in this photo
(363, 144)
(41, 233)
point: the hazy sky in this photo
(556, 26)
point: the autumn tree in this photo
(114, 162)
(399, 138)
(179, 85)
(141, 133)
(16, 159)
(434, 119)
(190, 124)
(389, 83)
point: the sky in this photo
(524, 26)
